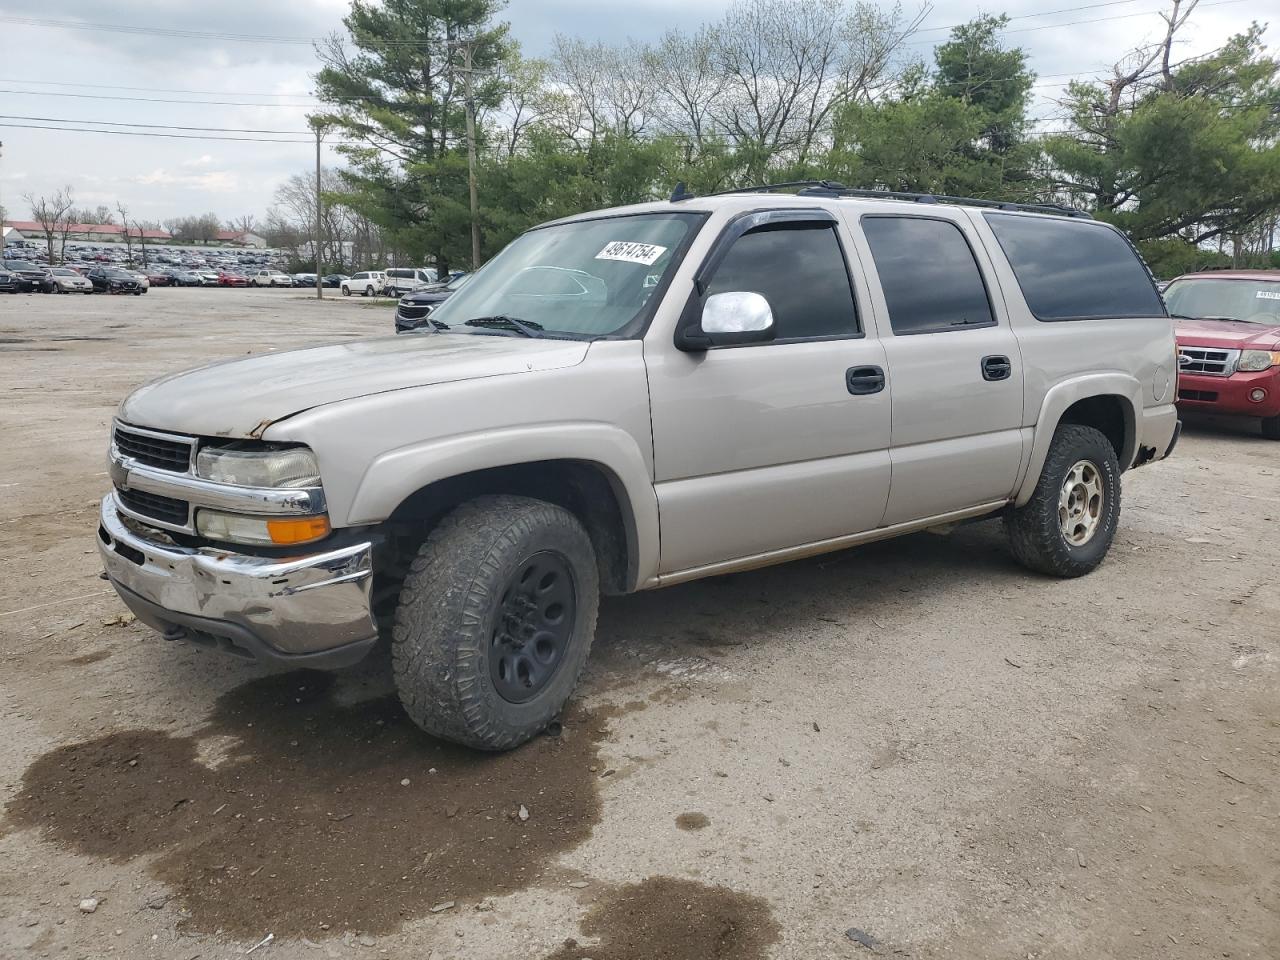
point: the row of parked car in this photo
(26, 276)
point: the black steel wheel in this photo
(495, 621)
(533, 627)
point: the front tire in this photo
(1271, 427)
(495, 621)
(346, 291)
(1067, 526)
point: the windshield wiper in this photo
(1183, 316)
(526, 328)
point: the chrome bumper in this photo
(306, 611)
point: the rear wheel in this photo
(495, 621)
(1067, 526)
(1271, 427)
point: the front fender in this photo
(1059, 399)
(395, 475)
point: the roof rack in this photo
(830, 188)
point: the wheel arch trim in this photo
(398, 474)
(1059, 399)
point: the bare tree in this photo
(53, 215)
(607, 94)
(243, 224)
(686, 83)
(123, 211)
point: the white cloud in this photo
(201, 161)
(215, 181)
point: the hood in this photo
(241, 398)
(428, 296)
(1227, 334)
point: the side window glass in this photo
(1075, 270)
(930, 278)
(800, 269)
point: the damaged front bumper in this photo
(306, 611)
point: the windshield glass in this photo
(62, 272)
(589, 278)
(1252, 301)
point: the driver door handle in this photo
(864, 380)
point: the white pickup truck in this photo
(633, 398)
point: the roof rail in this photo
(830, 188)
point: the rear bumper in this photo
(1158, 432)
(1230, 395)
(312, 610)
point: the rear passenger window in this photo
(930, 278)
(800, 269)
(1069, 270)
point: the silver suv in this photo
(633, 398)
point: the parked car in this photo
(402, 280)
(114, 280)
(304, 279)
(333, 279)
(66, 280)
(8, 280)
(634, 398)
(367, 283)
(142, 279)
(228, 279)
(184, 278)
(413, 309)
(159, 278)
(1228, 329)
(29, 277)
(271, 278)
(208, 277)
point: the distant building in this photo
(242, 238)
(81, 232)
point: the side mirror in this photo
(729, 319)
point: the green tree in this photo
(1177, 149)
(396, 87)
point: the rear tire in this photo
(495, 621)
(1067, 526)
(1271, 427)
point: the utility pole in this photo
(467, 48)
(315, 242)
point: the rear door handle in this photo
(996, 368)
(864, 380)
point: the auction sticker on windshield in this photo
(631, 252)
(1267, 295)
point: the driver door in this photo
(767, 446)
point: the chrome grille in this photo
(155, 450)
(1207, 361)
(155, 507)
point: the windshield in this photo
(60, 272)
(1250, 301)
(589, 278)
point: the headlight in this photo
(1253, 360)
(264, 531)
(256, 467)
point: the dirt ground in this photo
(910, 749)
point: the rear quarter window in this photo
(1075, 270)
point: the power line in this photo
(204, 103)
(1073, 23)
(112, 86)
(143, 133)
(158, 126)
(1046, 13)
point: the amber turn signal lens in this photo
(298, 530)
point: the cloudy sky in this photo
(76, 64)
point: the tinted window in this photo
(1069, 270)
(800, 269)
(930, 279)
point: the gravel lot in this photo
(916, 739)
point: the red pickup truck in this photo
(1227, 324)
